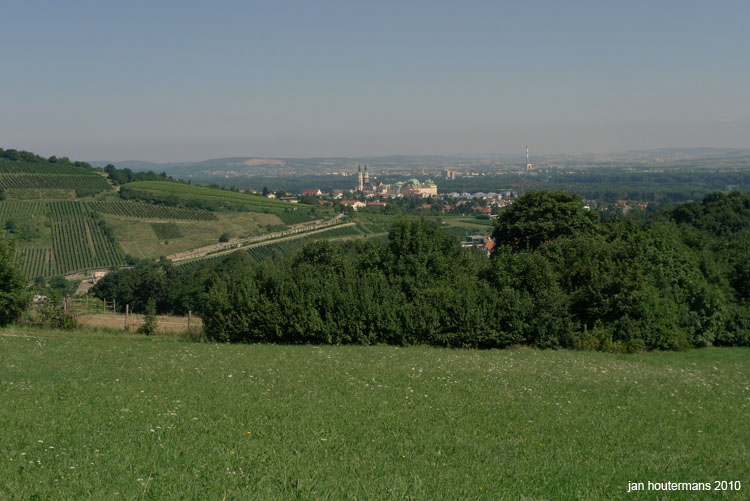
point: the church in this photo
(411, 188)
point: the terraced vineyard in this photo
(146, 211)
(43, 174)
(167, 231)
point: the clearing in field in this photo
(99, 415)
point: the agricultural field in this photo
(58, 237)
(97, 415)
(191, 192)
(147, 211)
(461, 227)
(24, 175)
(221, 199)
(65, 236)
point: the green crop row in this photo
(141, 210)
(79, 243)
(37, 261)
(85, 185)
(11, 209)
(192, 192)
(41, 167)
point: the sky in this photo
(180, 81)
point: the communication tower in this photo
(529, 165)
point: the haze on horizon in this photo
(179, 81)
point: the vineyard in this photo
(191, 192)
(41, 167)
(167, 231)
(294, 217)
(10, 209)
(16, 175)
(178, 194)
(90, 184)
(146, 211)
(78, 241)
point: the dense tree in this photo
(560, 278)
(14, 297)
(542, 216)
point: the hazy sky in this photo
(183, 80)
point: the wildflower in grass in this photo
(10, 459)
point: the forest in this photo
(560, 276)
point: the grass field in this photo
(104, 416)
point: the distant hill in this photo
(218, 169)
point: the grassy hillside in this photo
(144, 238)
(100, 416)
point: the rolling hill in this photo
(67, 218)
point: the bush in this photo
(14, 297)
(149, 321)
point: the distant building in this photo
(354, 204)
(313, 192)
(411, 188)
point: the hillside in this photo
(67, 218)
(36, 177)
(214, 199)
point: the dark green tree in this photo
(542, 216)
(14, 297)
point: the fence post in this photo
(190, 314)
(114, 306)
(105, 305)
(127, 312)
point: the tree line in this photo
(560, 276)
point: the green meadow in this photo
(113, 416)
